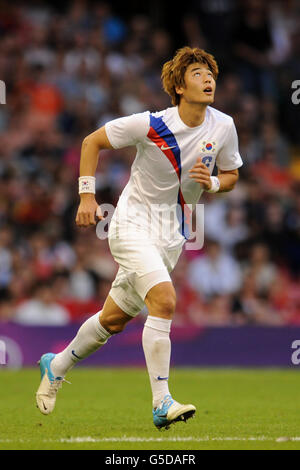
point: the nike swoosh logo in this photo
(44, 406)
(167, 148)
(162, 378)
(73, 352)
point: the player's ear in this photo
(179, 90)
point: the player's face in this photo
(200, 85)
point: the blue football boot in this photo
(169, 411)
(49, 386)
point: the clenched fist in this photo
(88, 211)
(201, 174)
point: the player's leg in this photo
(161, 301)
(91, 336)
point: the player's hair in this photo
(173, 71)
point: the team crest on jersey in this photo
(208, 146)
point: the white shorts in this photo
(142, 265)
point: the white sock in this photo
(90, 337)
(157, 350)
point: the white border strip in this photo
(70, 440)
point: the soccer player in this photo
(177, 149)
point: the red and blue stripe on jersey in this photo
(162, 136)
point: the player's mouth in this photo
(208, 91)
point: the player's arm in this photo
(227, 158)
(226, 179)
(91, 146)
(118, 133)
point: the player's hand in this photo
(88, 211)
(200, 173)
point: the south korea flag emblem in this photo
(208, 146)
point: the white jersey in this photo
(159, 182)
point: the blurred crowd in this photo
(67, 72)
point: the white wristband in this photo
(87, 184)
(215, 185)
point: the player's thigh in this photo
(112, 317)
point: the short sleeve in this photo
(129, 130)
(229, 157)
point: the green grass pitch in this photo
(111, 409)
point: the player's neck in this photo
(192, 115)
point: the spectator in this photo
(260, 269)
(231, 228)
(42, 308)
(214, 273)
(6, 242)
(70, 70)
(251, 308)
(7, 306)
(253, 42)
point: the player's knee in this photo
(164, 305)
(113, 327)
(167, 305)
